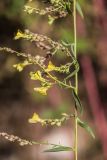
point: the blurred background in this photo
(18, 101)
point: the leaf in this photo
(59, 149)
(79, 9)
(85, 125)
(78, 104)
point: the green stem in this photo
(76, 82)
(76, 138)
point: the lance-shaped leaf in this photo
(79, 9)
(85, 126)
(78, 104)
(59, 149)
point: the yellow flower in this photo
(37, 76)
(18, 35)
(42, 90)
(20, 66)
(50, 67)
(35, 118)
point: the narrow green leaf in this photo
(78, 104)
(79, 9)
(59, 149)
(85, 125)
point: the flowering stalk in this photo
(47, 72)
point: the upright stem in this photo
(75, 45)
(76, 81)
(76, 138)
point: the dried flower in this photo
(12, 138)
